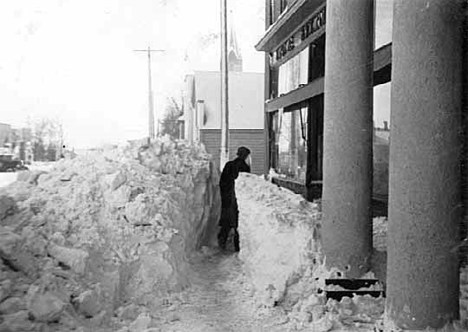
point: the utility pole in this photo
(224, 155)
(150, 93)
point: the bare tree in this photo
(170, 121)
(47, 139)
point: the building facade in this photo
(294, 86)
(321, 67)
(17, 141)
(5, 134)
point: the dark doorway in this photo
(315, 147)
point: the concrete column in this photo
(347, 164)
(424, 198)
(463, 253)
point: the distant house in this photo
(5, 134)
(202, 116)
(202, 119)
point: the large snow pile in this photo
(280, 236)
(280, 248)
(103, 231)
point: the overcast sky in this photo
(73, 59)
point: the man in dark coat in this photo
(229, 210)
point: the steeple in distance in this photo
(234, 53)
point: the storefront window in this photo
(273, 141)
(293, 72)
(317, 59)
(291, 144)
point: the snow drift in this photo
(280, 248)
(102, 231)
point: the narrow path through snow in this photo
(219, 299)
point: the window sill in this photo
(310, 90)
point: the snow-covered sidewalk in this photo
(264, 287)
(220, 299)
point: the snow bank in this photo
(102, 231)
(280, 236)
(42, 165)
(280, 247)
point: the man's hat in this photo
(243, 152)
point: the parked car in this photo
(8, 164)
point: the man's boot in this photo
(236, 240)
(222, 238)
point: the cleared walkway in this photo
(220, 299)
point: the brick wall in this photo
(250, 138)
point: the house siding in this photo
(250, 138)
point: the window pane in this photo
(293, 72)
(292, 145)
(273, 142)
(317, 59)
